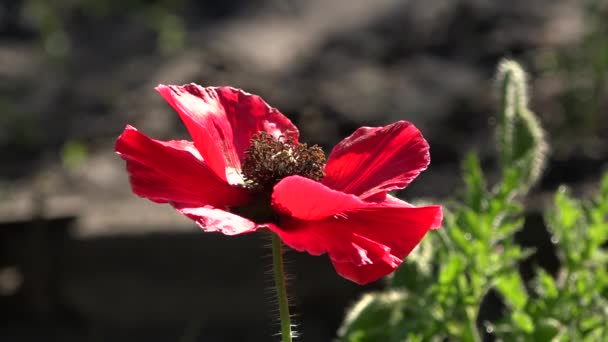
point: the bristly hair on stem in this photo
(287, 334)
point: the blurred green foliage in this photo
(50, 18)
(74, 154)
(437, 293)
(56, 25)
(573, 307)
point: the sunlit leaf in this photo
(523, 321)
(511, 287)
(450, 271)
(547, 285)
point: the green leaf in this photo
(566, 222)
(604, 186)
(523, 321)
(461, 239)
(520, 138)
(450, 272)
(547, 285)
(510, 183)
(568, 209)
(508, 229)
(475, 184)
(589, 323)
(415, 271)
(371, 318)
(546, 330)
(476, 224)
(511, 287)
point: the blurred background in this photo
(83, 259)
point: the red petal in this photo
(305, 199)
(366, 274)
(221, 122)
(217, 220)
(394, 202)
(377, 159)
(173, 171)
(364, 243)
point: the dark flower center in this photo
(270, 159)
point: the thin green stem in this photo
(279, 282)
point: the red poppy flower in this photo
(245, 170)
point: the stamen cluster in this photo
(270, 159)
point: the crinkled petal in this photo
(383, 263)
(377, 159)
(364, 243)
(173, 171)
(217, 220)
(222, 120)
(305, 199)
(364, 274)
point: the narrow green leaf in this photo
(475, 183)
